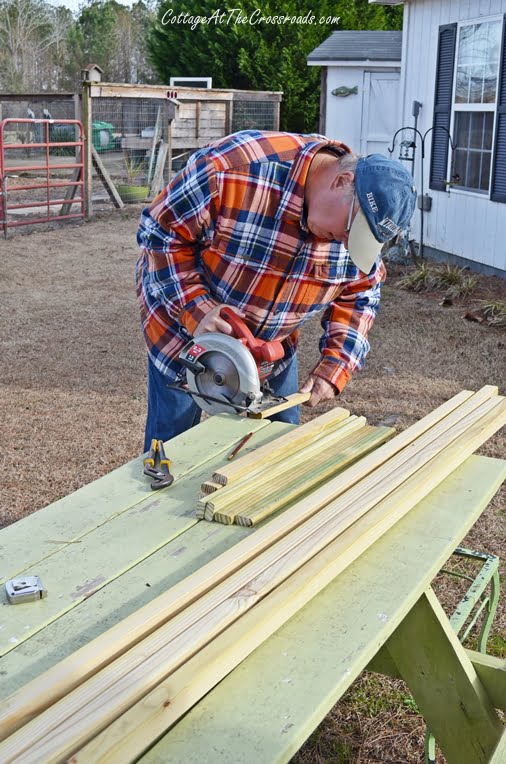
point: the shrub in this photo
(450, 279)
(454, 281)
(418, 280)
(494, 311)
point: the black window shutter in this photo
(442, 106)
(498, 191)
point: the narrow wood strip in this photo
(358, 444)
(325, 661)
(79, 725)
(68, 674)
(264, 472)
(266, 436)
(291, 400)
(210, 486)
(295, 479)
(106, 179)
(169, 646)
(128, 736)
(283, 446)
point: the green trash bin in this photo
(101, 136)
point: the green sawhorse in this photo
(475, 602)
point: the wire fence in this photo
(139, 135)
(128, 134)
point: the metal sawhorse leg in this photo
(474, 602)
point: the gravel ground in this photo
(72, 396)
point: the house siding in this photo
(464, 224)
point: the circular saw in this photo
(225, 373)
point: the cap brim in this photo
(363, 248)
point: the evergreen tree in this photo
(258, 55)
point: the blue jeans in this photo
(171, 412)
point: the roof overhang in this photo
(357, 64)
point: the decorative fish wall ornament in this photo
(344, 91)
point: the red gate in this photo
(45, 134)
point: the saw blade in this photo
(229, 374)
(220, 377)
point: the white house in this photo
(454, 65)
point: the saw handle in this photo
(261, 350)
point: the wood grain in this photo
(305, 433)
(129, 677)
(40, 693)
(124, 740)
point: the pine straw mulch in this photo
(73, 401)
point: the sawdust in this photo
(72, 397)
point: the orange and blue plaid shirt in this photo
(230, 229)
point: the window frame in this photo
(474, 107)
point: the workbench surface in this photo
(114, 545)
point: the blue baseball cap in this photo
(387, 197)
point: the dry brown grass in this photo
(73, 401)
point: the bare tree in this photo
(29, 32)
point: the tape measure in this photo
(25, 589)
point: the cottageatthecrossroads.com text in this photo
(237, 16)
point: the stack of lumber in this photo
(111, 699)
(284, 470)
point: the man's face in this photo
(328, 210)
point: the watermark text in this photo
(238, 16)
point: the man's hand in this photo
(320, 390)
(212, 322)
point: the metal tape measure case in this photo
(25, 589)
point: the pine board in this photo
(201, 543)
(102, 555)
(129, 678)
(114, 602)
(267, 707)
(253, 487)
(39, 536)
(350, 450)
(305, 434)
(278, 528)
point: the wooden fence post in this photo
(88, 145)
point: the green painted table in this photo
(112, 546)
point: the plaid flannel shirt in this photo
(230, 228)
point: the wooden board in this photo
(280, 693)
(109, 606)
(348, 451)
(35, 538)
(106, 179)
(101, 555)
(116, 600)
(459, 713)
(164, 653)
(291, 400)
(284, 446)
(266, 468)
(150, 616)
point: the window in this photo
(470, 102)
(474, 104)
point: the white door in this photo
(380, 112)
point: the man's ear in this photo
(343, 179)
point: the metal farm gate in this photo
(39, 158)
